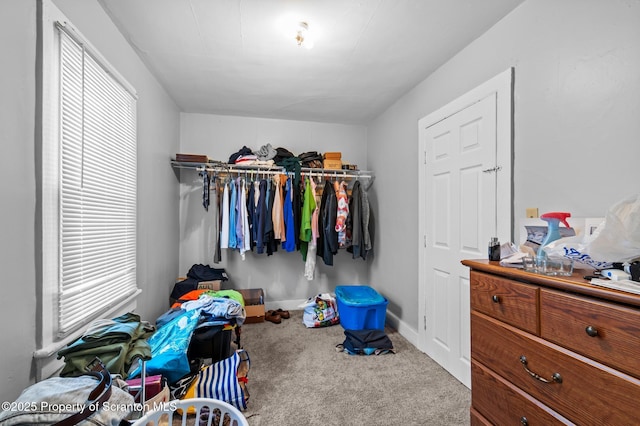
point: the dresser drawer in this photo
(476, 419)
(587, 393)
(501, 403)
(510, 301)
(600, 330)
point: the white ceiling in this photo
(235, 57)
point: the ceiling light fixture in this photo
(302, 35)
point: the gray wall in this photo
(17, 187)
(158, 138)
(576, 127)
(575, 146)
(280, 275)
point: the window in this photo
(97, 187)
(88, 185)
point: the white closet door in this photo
(459, 213)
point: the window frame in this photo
(49, 337)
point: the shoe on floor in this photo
(273, 317)
(283, 314)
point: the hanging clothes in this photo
(236, 227)
(292, 164)
(260, 212)
(282, 184)
(357, 231)
(360, 215)
(314, 216)
(246, 227)
(255, 215)
(327, 235)
(310, 262)
(233, 240)
(296, 205)
(269, 239)
(224, 228)
(276, 212)
(342, 213)
(272, 212)
(205, 189)
(308, 206)
(239, 222)
(215, 218)
(367, 224)
(289, 244)
(249, 207)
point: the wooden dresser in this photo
(547, 350)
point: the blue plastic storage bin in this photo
(361, 307)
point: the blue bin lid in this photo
(358, 295)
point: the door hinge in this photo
(425, 322)
(493, 169)
(425, 157)
(425, 241)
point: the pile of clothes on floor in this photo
(195, 330)
(197, 275)
(119, 343)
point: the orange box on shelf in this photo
(332, 164)
(332, 156)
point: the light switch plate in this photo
(532, 212)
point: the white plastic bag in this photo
(320, 310)
(618, 238)
(576, 248)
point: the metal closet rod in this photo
(230, 168)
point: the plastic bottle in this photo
(553, 220)
(494, 249)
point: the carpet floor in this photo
(297, 377)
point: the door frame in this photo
(502, 86)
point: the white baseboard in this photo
(287, 305)
(405, 330)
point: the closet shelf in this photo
(221, 167)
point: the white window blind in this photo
(97, 188)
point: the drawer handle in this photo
(495, 298)
(524, 421)
(555, 377)
(591, 331)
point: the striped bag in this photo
(224, 380)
